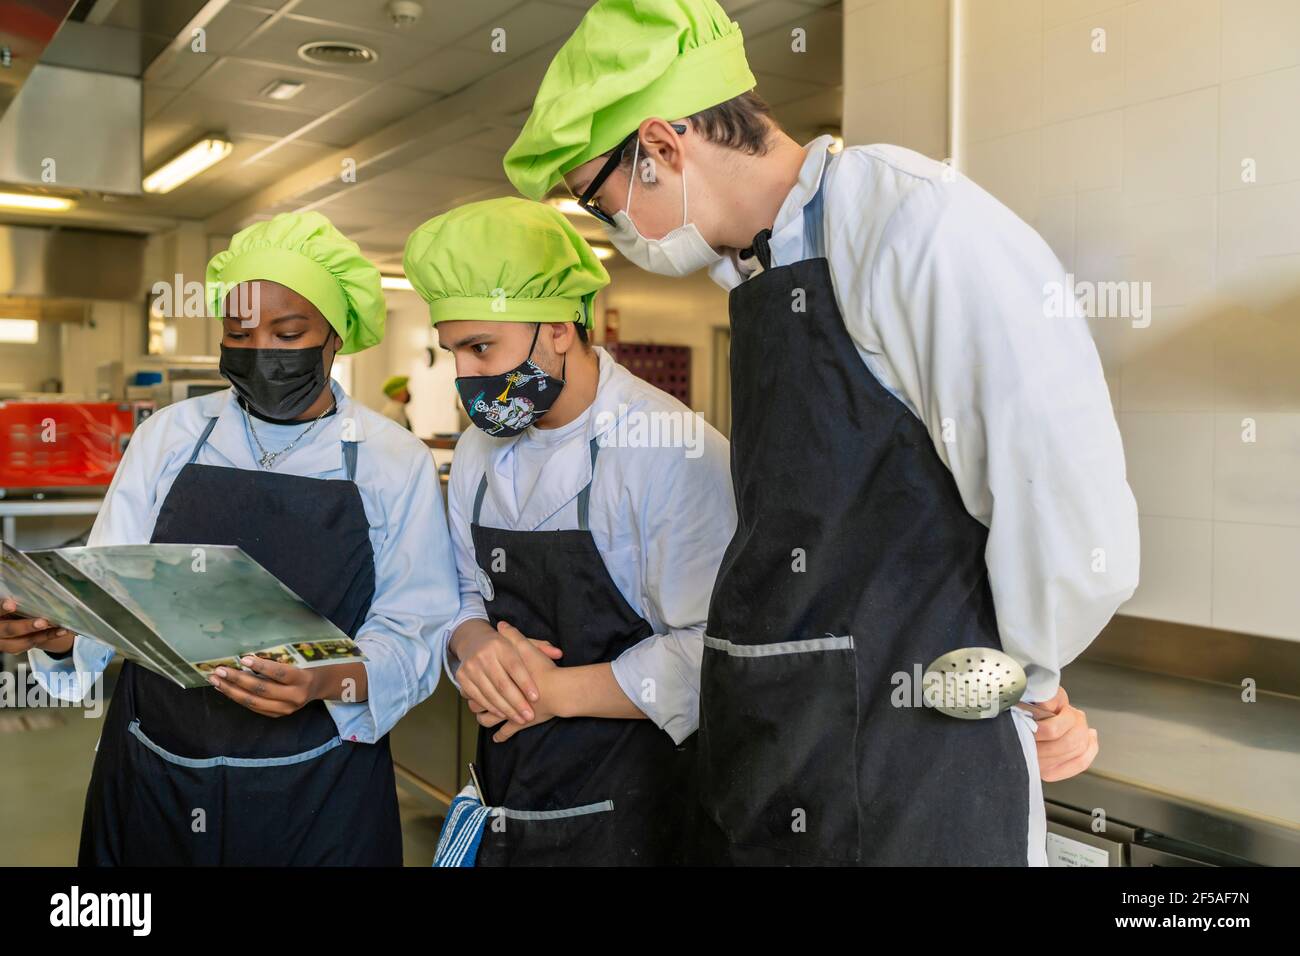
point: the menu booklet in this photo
(180, 610)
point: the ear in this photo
(563, 336)
(661, 143)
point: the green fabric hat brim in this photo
(295, 271)
(505, 309)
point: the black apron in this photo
(854, 561)
(189, 777)
(579, 791)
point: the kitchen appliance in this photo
(50, 447)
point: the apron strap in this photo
(212, 423)
(350, 459)
(584, 496)
(814, 243)
(478, 498)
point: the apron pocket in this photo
(574, 836)
(230, 810)
(778, 745)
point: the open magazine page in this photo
(212, 605)
(128, 635)
(41, 590)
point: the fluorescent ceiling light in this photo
(282, 90)
(204, 154)
(396, 282)
(20, 331)
(27, 201)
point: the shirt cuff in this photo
(70, 678)
(674, 705)
(391, 692)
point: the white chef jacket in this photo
(405, 631)
(942, 289)
(660, 518)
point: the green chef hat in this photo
(395, 384)
(503, 260)
(629, 60)
(303, 251)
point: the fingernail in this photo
(212, 681)
(247, 661)
(221, 672)
(40, 622)
(532, 695)
(528, 715)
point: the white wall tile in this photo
(1255, 224)
(1084, 154)
(992, 25)
(1170, 46)
(925, 111)
(925, 34)
(1255, 579)
(1175, 581)
(1175, 371)
(1174, 246)
(1259, 120)
(874, 49)
(1058, 12)
(1171, 148)
(1170, 458)
(1002, 92)
(1260, 35)
(1055, 223)
(1257, 354)
(1257, 468)
(1078, 80)
(1008, 168)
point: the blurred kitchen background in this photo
(1150, 142)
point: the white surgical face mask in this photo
(679, 253)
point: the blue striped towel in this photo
(462, 831)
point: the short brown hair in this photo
(743, 122)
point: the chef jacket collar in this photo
(570, 469)
(730, 271)
(319, 454)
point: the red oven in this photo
(61, 445)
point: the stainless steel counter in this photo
(1191, 760)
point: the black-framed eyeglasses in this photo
(587, 200)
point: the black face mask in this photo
(279, 384)
(504, 405)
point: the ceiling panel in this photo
(240, 79)
(527, 27)
(377, 108)
(449, 69)
(443, 21)
(214, 113)
(280, 42)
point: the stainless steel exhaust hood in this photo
(65, 263)
(26, 29)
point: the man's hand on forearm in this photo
(586, 691)
(493, 674)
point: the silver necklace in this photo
(268, 458)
